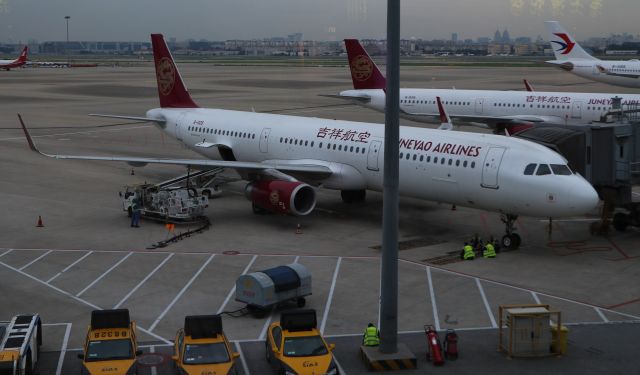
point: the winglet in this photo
(364, 72)
(32, 145)
(445, 120)
(528, 86)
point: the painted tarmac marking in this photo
(104, 274)
(601, 314)
(432, 294)
(233, 290)
(76, 133)
(184, 289)
(63, 350)
(330, 297)
(143, 281)
(535, 297)
(242, 360)
(263, 332)
(67, 268)
(35, 260)
(83, 301)
(6, 252)
(152, 349)
(486, 303)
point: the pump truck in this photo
(20, 341)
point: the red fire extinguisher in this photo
(451, 345)
(434, 348)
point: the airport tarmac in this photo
(87, 256)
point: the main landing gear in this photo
(510, 240)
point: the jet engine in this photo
(288, 197)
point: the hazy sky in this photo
(125, 20)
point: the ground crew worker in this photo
(489, 251)
(467, 252)
(135, 212)
(371, 336)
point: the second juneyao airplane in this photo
(572, 57)
(285, 157)
(510, 110)
(21, 60)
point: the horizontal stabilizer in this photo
(135, 118)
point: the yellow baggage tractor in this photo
(201, 347)
(110, 346)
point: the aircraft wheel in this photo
(353, 196)
(511, 241)
(620, 221)
(301, 302)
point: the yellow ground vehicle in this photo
(202, 348)
(295, 347)
(110, 346)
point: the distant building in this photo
(454, 38)
(497, 37)
(505, 37)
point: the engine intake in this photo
(296, 198)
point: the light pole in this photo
(66, 46)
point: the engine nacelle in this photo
(286, 197)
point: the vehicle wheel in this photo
(267, 352)
(258, 210)
(620, 221)
(301, 302)
(129, 211)
(516, 239)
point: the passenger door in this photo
(372, 157)
(479, 106)
(491, 167)
(576, 110)
(264, 140)
(180, 126)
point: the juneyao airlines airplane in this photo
(282, 157)
(511, 110)
(571, 57)
(21, 60)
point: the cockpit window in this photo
(561, 169)
(543, 169)
(528, 170)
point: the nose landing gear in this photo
(510, 240)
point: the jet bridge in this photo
(607, 154)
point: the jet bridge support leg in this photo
(510, 240)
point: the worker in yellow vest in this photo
(467, 252)
(371, 336)
(489, 251)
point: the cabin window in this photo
(473, 164)
(311, 143)
(561, 169)
(428, 159)
(408, 156)
(458, 163)
(442, 161)
(435, 160)
(357, 150)
(351, 149)
(334, 146)
(421, 157)
(306, 143)
(543, 169)
(528, 170)
(450, 161)
(280, 139)
(401, 155)
(464, 164)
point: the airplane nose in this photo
(584, 199)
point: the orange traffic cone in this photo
(298, 229)
(39, 225)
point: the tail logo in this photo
(166, 74)
(361, 68)
(565, 47)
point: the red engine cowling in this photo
(286, 197)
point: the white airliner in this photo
(510, 110)
(282, 157)
(571, 57)
(21, 60)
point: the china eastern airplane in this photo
(285, 157)
(573, 58)
(21, 60)
(510, 110)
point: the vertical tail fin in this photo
(445, 120)
(171, 89)
(364, 72)
(23, 55)
(564, 46)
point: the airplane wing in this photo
(129, 118)
(358, 99)
(492, 121)
(316, 171)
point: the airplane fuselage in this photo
(482, 171)
(619, 73)
(555, 108)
